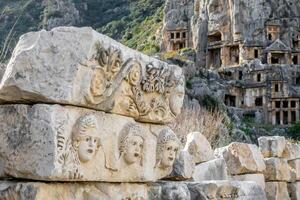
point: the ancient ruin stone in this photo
(54, 142)
(169, 190)
(277, 191)
(272, 146)
(243, 158)
(80, 67)
(226, 190)
(295, 169)
(211, 170)
(277, 169)
(10, 190)
(291, 151)
(199, 147)
(183, 167)
(258, 178)
(294, 190)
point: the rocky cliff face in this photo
(233, 21)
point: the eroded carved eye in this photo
(176, 150)
(95, 140)
(134, 143)
(87, 139)
(169, 148)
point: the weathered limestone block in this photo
(169, 190)
(212, 170)
(258, 178)
(79, 66)
(294, 190)
(291, 151)
(242, 158)
(277, 169)
(66, 143)
(71, 191)
(272, 146)
(226, 190)
(295, 169)
(199, 147)
(277, 191)
(183, 167)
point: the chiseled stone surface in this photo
(54, 142)
(277, 191)
(242, 158)
(272, 146)
(81, 67)
(71, 191)
(295, 169)
(199, 147)
(258, 178)
(183, 167)
(291, 151)
(239, 190)
(169, 190)
(294, 190)
(211, 170)
(277, 169)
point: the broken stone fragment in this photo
(242, 158)
(277, 191)
(272, 146)
(199, 147)
(81, 67)
(277, 169)
(258, 178)
(183, 167)
(211, 170)
(66, 143)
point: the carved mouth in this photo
(171, 158)
(90, 151)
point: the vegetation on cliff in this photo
(133, 23)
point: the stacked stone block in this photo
(278, 173)
(244, 162)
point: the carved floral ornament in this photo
(147, 92)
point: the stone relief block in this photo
(66, 143)
(80, 67)
(10, 190)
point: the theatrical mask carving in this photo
(86, 140)
(177, 96)
(167, 149)
(131, 144)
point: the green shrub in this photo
(294, 131)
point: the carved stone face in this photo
(88, 145)
(169, 153)
(133, 151)
(176, 99)
(98, 83)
